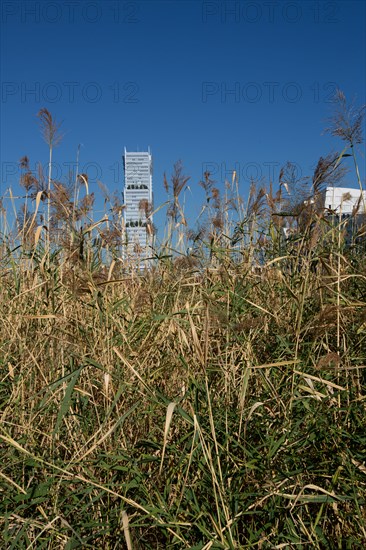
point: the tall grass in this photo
(215, 400)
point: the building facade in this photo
(346, 206)
(138, 201)
(344, 200)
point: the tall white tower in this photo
(138, 199)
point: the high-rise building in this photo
(138, 199)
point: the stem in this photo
(49, 200)
(358, 176)
(75, 187)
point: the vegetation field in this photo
(215, 399)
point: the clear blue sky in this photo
(225, 85)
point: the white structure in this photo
(138, 199)
(344, 200)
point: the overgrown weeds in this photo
(215, 400)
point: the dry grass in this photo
(216, 400)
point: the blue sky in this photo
(224, 85)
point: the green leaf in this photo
(65, 405)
